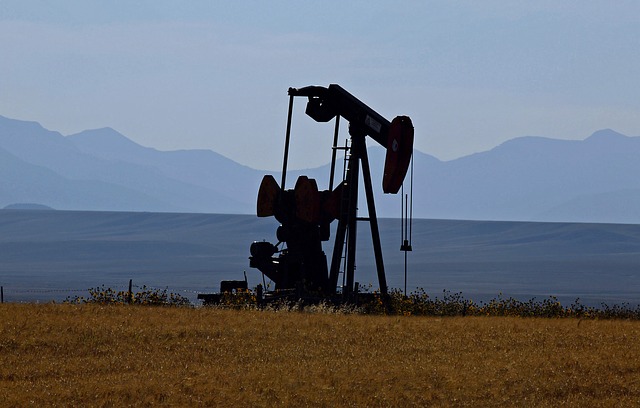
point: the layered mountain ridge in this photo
(529, 178)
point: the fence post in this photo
(130, 294)
(259, 295)
(1, 294)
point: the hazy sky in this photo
(215, 74)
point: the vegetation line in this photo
(417, 303)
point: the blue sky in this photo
(214, 75)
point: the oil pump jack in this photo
(297, 262)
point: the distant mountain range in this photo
(525, 179)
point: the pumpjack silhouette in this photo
(305, 213)
(297, 263)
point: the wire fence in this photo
(52, 294)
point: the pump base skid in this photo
(283, 298)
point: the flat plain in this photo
(92, 355)
(49, 255)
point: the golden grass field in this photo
(92, 355)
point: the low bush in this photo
(147, 297)
(419, 303)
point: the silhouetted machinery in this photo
(305, 213)
(297, 263)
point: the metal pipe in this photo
(405, 246)
(286, 143)
(333, 152)
(411, 202)
(402, 235)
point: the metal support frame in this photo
(348, 220)
(373, 220)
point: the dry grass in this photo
(90, 355)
